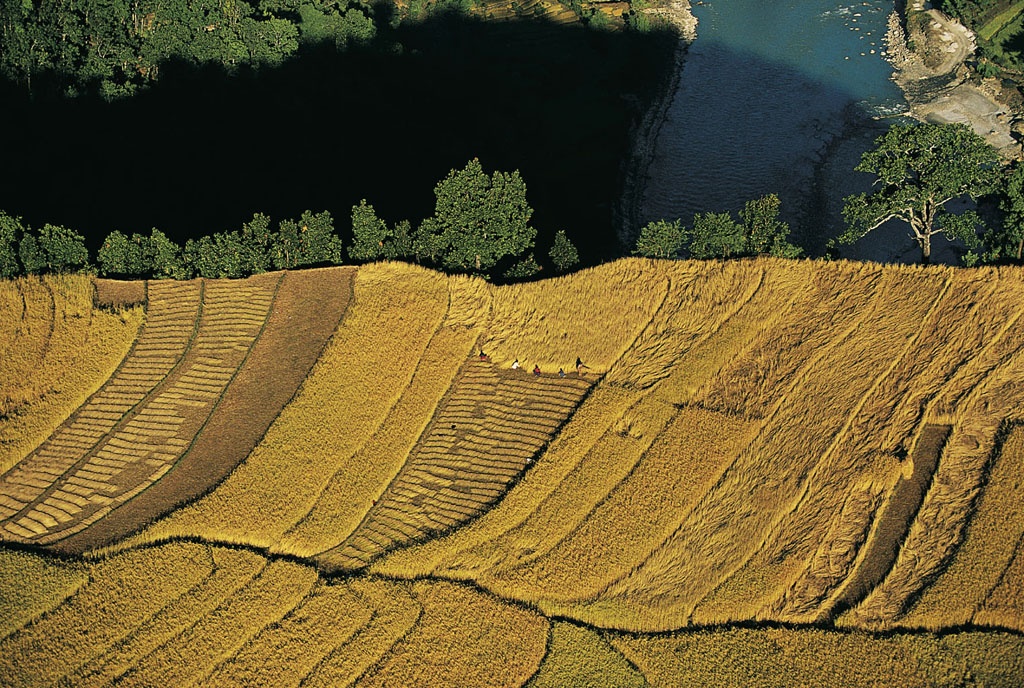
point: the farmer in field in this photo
(515, 364)
(579, 366)
(536, 370)
(561, 372)
(483, 356)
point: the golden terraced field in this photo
(768, 473)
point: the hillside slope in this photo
(833, 447)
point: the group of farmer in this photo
(536, 368)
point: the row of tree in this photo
(759, 231)
(919, 170)
(53, 248)
(481, 225)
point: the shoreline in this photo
(644, 137)
(934, 79)
(936, 82)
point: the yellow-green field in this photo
(767, 473)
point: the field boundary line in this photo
(48, 343)
(928, 415)
(1000, 334)
(130, 414)
(845, 596)
(1017, 551)
(147, 620)
(798, 379)
(836, 441)
(220, 397)
(384, 419)
(185, 629)
(641, 332)
(652, 389)
(64, 424)
(104, 658)
(169, 379)
(275, 621)
(381, 660)
(747, 345)
(535, 555)
(644, 394)
(544, 657)
(44, 615)
(361, 630)
(675, 528)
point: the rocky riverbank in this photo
(678, 15)
(929, 52)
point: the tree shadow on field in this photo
(202, 150)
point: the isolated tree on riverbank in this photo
(920, 168)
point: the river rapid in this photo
(781, 98)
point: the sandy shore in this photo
(938, 85)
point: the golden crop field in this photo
(57, 351)
(768, 473)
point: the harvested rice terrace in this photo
(741, 492)
(490, 427)
(129, 434)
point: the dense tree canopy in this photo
(368, 233)
(478, 220)
(660, 239)
(115, 46)
(919, 169)
(1006, 242)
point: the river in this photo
(778, 97)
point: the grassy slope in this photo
(753, 421)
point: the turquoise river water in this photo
(774, 97)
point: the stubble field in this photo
(769, 472)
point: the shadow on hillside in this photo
(202, 150)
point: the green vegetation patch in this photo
(578, 656)
(997, 23)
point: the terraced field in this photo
(139, 425)
(58, 348)
(765, 463)
(105, 454)
(487, 431)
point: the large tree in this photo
(716, 235)
(123, 255)
(478, 220)
(920, 168)
(763, 231)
